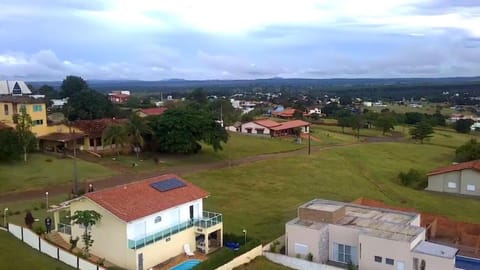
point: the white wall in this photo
(137, 229)
(297, 263)
(254, 127)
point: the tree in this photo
(48, 91)
(136, 128)
(345, 100)
(182, 130)
(357, 122)
(421, 131)
(133, 102)
(385, 122)
(72, 85)
(343, 118)
(88, 105)
(10, 147)
(463, 125)
(468, 151)
(86, 218)
(198, 95)
(412, 118)
(114, 135)
(24, 126)
(223, 108)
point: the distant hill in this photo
(274, 83)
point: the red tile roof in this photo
(472, 165)
(138, 199)
(267, 123)
(97, 126)
(4, 126)
(285, 113)
(291, 124)
(154, 111)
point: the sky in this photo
(246, 39)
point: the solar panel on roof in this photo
(166, 185)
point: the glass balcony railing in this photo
(208, 219)
(64, 228)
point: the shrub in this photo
(101, 261)
(282, 250)
(48, 160)
(310, 256)
(43, 205)
(36, 208)
(73, 242)
(39, 230)
(413, 179)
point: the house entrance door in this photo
(191, 211)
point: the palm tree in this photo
(135, 129)
(86, 218)
(114, 135)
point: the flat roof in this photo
(437, 250)
(373, 221)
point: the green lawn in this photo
(450, 138)
(238, 146)
(262, 196)
(428, 108)
(262, 263)
(42, 171)
(370, 132)
(19, 256)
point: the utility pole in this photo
(309, 150)
(75, 172)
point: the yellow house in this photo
(11, 105)
(145, 223)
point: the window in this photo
(389, 261)
(452, 185)
(301, 249)
(378, 259)
(249, 130)
(344, 253)
(37, 108)
(5, 108)
(260, 130)
(423, 265)
(158, 219)
(37, 122)
(470, 187)
(415, 263)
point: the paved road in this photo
(124, 177)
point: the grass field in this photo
(450, 138)
(261, 263)
(42, 171)
(428, 108)
(370, 132)
(238, 146)
(262, 196)
(13, 255)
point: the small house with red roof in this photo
(271, 128)
(151, 111)
(288, 113)
(147, 222)
(462, 178)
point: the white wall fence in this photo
(32, 239)
(296, 263)
(242, 259)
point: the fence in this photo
(297, 263)
(242, 259)
(33, 240)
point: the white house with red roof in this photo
(271, 128)
(147, 222)
(462, 178)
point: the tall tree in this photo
(182, 130)
(24, 131)
(86, 218)
(385, 122)
(136, 128)
(114, 135)
(72, 85)
(421, 131)
(357, 122)
(88, 105)
(10, 147)
(48, 91)
(222, 109)
(343, 118)
(199, 95)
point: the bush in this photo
(413, 179)
(310, 256)
(225, 255)
(39, 230)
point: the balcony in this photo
(208, 219)
(64, 228)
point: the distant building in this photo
(11, 105)
(151, 111)
(14, 88)
(271, 128)
(119, 96)
(59, 103)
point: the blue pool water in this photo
(186, 265)
(467, 263)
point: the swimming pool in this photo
(467, 263)
(186, 265)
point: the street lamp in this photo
(245, 233)
(5, 217)
(46, 199)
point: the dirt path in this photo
(124, 177)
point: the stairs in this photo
(55, 238)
